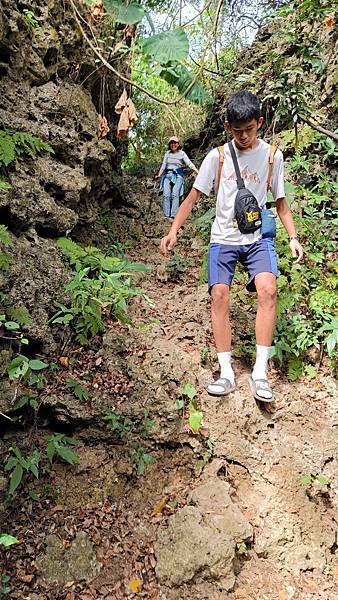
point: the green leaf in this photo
(34, 404)
(149, 459)
(124, 13)
(189, 390)
(37, 365)
(179, 403)
(22, 402)
(181, 77)
(310, 371)
(4, 185)
(167, 46)
(50, 451)
(195, 419)
(322, 479)
(34, 469)
(12, 325)
(7, 540)
(4, 236)
(306, 479)
(7, 148)
(33, 495)
(16, 478)
(18, 367)
(67, 454)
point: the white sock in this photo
(224, 359)
(260, 370)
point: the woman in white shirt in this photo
(172, 176)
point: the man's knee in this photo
(220, 296)
(267, 293)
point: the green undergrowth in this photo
(100, 288)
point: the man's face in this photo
(245, 134)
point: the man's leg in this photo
(166, 197)
(175, 194)
(220, 296)
(222, 335)
(267, 305)
(265, 326)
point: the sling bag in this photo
(248, 215)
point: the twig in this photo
(319, 128)
(5, 416)
(176, 119)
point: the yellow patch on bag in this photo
(252, 216)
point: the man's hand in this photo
(168, 242)
(297, 250)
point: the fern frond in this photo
(4, 261)
(14, 145)
(4, 237)
(4, 185)
(7, 148)
(19, 314)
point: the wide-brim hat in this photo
(174, 139)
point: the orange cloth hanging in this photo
(125, 107)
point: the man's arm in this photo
(168, 241)
(286, 217)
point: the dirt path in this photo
(144, 536)
(264, 456)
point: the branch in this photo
(319, 128)
(6, 416)
(206, 68)
(78, 16)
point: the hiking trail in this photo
(247, 525)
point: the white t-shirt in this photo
(253, 165)
(173, 160)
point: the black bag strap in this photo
(239, 180)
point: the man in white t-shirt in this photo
(229, 246)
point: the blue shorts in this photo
(259, 257)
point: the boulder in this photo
(201, 538)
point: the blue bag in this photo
(268, 227)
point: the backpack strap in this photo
(220, 166)
(271, 157)
(239, 179)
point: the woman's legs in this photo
(176, 196)
(166, 196)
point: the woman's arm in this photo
(189, 164)
(163, 166)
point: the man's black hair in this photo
(243, 106)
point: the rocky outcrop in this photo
(299, 58)
(48, 87)
(200, 540)
(78, 563)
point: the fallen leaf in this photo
(25, 578)
(159, 506)
(135, 585)
(329, 21)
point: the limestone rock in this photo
(79, 563)
(190, 547)
(200, 540)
